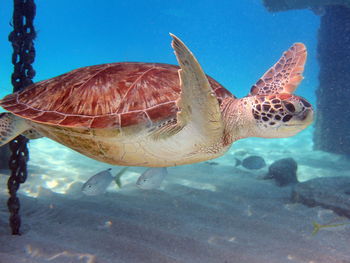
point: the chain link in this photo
(22, 39)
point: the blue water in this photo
(209, 211)
(235, 41)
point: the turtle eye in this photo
(305, 103)
(289, 106)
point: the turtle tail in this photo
(11, 126)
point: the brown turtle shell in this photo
(104, 96)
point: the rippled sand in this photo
(203, 213)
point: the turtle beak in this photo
(296, 124)
(306, 117)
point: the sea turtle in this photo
(157, 115)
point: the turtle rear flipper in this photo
(285, 75)
(10, 127)
(198, 103)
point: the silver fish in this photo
(151, 178)
(98, 183)
(253, 162)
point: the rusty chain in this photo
(22, 39)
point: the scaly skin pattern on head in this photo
(270, 116)
(274, 110)
(271, 110)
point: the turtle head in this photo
(280, 115)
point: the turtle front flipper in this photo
(198, 103)
(285, 75)
(10, 127)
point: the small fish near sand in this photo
(98, 183)
(318, 227)
(152, 178)
(253, 162)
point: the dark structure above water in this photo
(332, 125)
(285, 5)
(332, 133)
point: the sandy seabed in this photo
(207, 212)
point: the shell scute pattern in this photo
(104, 96)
